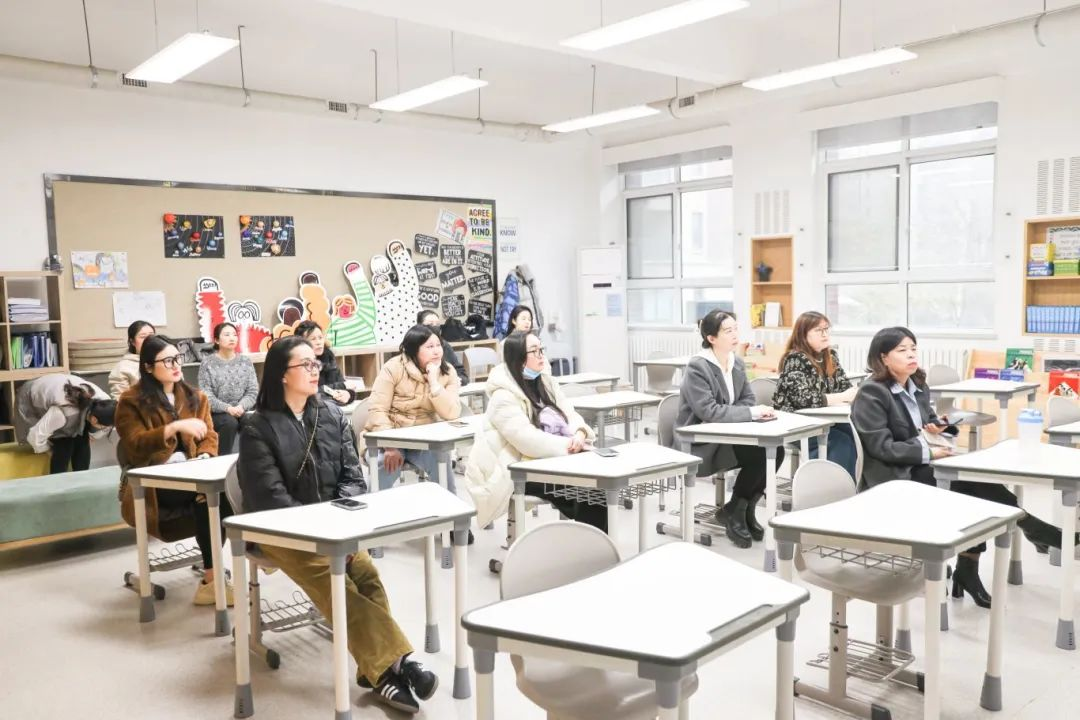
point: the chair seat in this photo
(853, 580)
(971, 418)
(570, 692)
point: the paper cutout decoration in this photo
(429, 297)
(426, 245)
(91, 269)
(480, 221)
(451, 226)
(396, 306)
(267, 236)
(353, 321)
(211, 309)
(193, 236)
(313, 304)
(426, 271)
(453, 306)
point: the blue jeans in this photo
(425, 460)
(841, 448)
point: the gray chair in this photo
(666, 413)
(478, 361)
(660, 379)
(1061, 411)
(946, 407)
(763, 389)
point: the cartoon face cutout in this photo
(243, 312)
(290, 310)
(344, 307)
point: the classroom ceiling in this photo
(323, 48)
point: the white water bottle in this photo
(1030, 425)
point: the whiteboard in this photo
(131, 306)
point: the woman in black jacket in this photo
(430, 318)
(295, 450)
(890, 412)
(330, 376)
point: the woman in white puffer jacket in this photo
(527, 417)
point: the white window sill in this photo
(933, 334)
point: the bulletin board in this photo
(449, 243)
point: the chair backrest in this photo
(478, 360)
(555, 554)
(666, 412)
(659, 378)
(358, 420)
(763, 389)
(465, 409)
(819, 482)
(232, 490)
(942, 375)
(1061, 411)
(859, 454)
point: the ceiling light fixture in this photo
(184, 55)
(836, 68)
(427, 94)
(605, 118)
(653, 23)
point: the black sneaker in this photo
(394, 691)
(423, 682)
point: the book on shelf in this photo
(1053, 319)
(33, 350)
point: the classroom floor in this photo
(71, 647)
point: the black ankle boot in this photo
(735, 522)
(756, 531)
(1042, 534)
(966, 579)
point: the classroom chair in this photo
(943, 375)
(1060, 411)
(357, 421)
(763, 389)
(666, 413)
(883, 580)
(478, 361)
(660, 379)
(549, 556)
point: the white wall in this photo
(553, 188)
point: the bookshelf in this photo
(776, 251)
(45, 286)
(1055, 290)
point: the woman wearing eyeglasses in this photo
(811, 377)
(527, 417)
(162, 419)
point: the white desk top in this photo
(829, 411)
(208, 470)
(584, 378)
(986, 386)
(442, 432)
(610, 400)
(631, 460)
(388, 511)
(473, 388)
(902, 513)
(694, 583)
(677, 362)
(1072, 428)
(1009, 459)
(784, 425)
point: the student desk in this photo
(583, 623)
(922, 523)
(786, 428)
(831, 413)
(634, 464)
(1067, 435)
(474, 389)
(1049, 466)
(856, 378)
(392, 516)
(587, 378)
(982, 388)
(599, 407)
(679, 363)
(198, 476)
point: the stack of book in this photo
(33, 350)
(25, 310)
(1056, 319)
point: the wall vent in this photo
(131, 82)
(338, 107)
(688, 101)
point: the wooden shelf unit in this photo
(1053, 290)
(776, 251)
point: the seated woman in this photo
(126, 371)
(430, 318)
(331, 381)
(811, 377)
(715, 390)
(162, 419)
(62, 413)
(527, 417)
(891, 411)
(230, 384)
(297, 449)
(521, 319)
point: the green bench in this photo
(54, 507)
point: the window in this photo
(909, 220)
(680, 236)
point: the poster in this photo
(267, 236)
(480, 224)
(451, 279)
(480, 285)
(426, 271)
(508, 247)
(479, 262)
(480, 307)
(426, 245)
(453, 306)
(90, 269)
(1066, 241)
(131, 306)
(451, 226)
(193, 236)
(429, 297)
(452, 255)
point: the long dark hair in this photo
(518, 309)
(272, 389)
(305, 328)
(151, 392)
(218, 330)
(884, 342)
(133, 330)
(515, 353)
(710, 325)
(798, 342)
(78, 396)
(412, 342)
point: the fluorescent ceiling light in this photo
(653, 23)
(184, 55)
(439, 90)
(604, 118)
(835, 68)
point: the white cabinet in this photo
(602, 337)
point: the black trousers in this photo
(227, 427)
(985, 491)
(73, 451)
(583, 512)
(751, 461)
(195, 503)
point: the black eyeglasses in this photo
(171, 362)
(312, 366)
(536, 351)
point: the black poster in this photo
(453, 306)
(426, 245)
(480, 285)
(194, 236)
(426, 271)
(479, 262)
(452, 255)
(429, 297)
(480, 307)
(452, 279)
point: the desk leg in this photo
(244, 705)
(146, 602)
(823, 446)
(787, 560)
(462, 687)
(373, 486)
(444, 463)
(1066, 637)
(342, 710)
(934, 572)
(601, 426)
(903, 627)
(686, 512)
(221, 617)
(667, 699)
(785, 669)
(770, 508)
(626, 424)
(431, 631)
(485, 684)
(642, 542)
(1016, 567)
(991, 690)
(612, 510)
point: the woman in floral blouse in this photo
(811, 377)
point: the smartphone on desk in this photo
(459, 424)
(348, 504)
(604, 452)
(768, 418)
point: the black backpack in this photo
(476, 327)
(454, 331)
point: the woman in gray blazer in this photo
(715, 390)
(890, 412)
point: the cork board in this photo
(331, 229)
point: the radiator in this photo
(853, 353)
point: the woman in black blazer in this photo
(715, 390)
(890, 411)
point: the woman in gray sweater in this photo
(229, 381)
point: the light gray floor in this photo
(70, 646)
